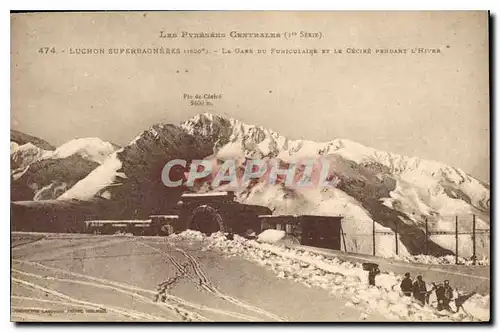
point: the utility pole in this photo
(373, 237)
(396, 235)
(456, 240)
(473, 239)
(426, 236)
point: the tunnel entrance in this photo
(206, 219)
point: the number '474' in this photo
(47, 50)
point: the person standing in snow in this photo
(372, 274)
(444, 294)
(420, 290)
(407, 285)
(448, 295)
(428, 295)
(440, 296)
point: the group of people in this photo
(418, 288)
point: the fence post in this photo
(396, 235)
(373, 237)
(456, 240)
(342, 238)
(473, 239)
(426, 236)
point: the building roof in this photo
(209, 194)
(296, 216)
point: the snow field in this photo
(342, 279)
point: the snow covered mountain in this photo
(21, 156)
(40, 174)
(392, 190)
(21, 138)
(89, 148)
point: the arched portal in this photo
(206, 219)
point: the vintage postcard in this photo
(250, 166)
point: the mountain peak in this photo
(90, 148)
(21, 138)
(374, 185)
(230, 130)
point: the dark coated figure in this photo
(407, 285)
(420, 290)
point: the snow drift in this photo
(342, 279)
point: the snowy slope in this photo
(342, 278)
(392, 190)
(434, 182)
(21, 138)
(90, 148)
(21, 156)
(97, 179)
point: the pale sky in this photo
(430, 106)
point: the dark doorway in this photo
(206, 220)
